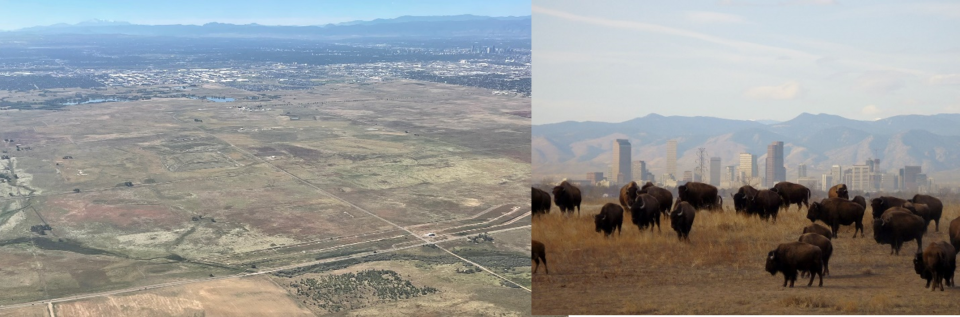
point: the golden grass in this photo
(721, 269)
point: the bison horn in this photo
(643, 203)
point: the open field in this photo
(173, 189)
(721, 270)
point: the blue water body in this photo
(89, 101)
(220, 99)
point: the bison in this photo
(838, 191)
(955, 233)
(793, 256)
(681, 219)
(765, 203)
(818, 229)
(540, 201)
(663, 196)
(699, 195)
(896, 226)
(882, 203)
(567, 196)
(822, 242)
(539, 254)
(937, 263)
(740, 198)
(935, 205)
(610, 218)
(792, 193)
(860, 201)
(645, 212)
(628, 194)
(921, 210)
(835, 212)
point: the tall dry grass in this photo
(717, 239)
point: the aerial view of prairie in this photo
(249, 160)
(745, 157)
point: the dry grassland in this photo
(721, 270)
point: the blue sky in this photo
(744, 59)
(15, 14)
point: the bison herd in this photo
(895, 221)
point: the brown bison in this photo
(540, 201)
(935, 205)
(610, 218)
(790, 257)
(699, 195)
(567, 196)
(955, 233)
(860, 201)
(681, 219)
(663, 196)
(882, 203)
(921, 210)
(740, 198)
(818, 229)
(938, 263)
(822, 242)
(896, 226)
(792, 193)
(765, 203)
(539, 254)
(628, 194)
(835, 212)
(645, 212)
(839, 191)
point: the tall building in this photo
(748, 167)
(621, 173)
(826, 181)
(908, 178)
(836, 172)
(640, 169)
(802, 171)
(775, 172)
(861, 178)
(731, 173)
(672, 158)
(593, 178)
(715, 171)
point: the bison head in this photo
(645, 186)
(918, 265)
(842, 191)
(598, 220)
(877, 205)
(813, 212)
(772, 262)
(878, 231)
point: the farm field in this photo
(721, 269)
(148, 192)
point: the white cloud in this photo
(788, 90)
(713, 17)
(881, 81)
(870, 110)
(945, 79)
(655, 28)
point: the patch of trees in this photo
(489, 81)
(68, 157)
(481, 238)
(335, 293)
(32, 82)
(40, 229)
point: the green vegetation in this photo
(335, 293)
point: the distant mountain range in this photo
(405, 26)
(571, 149)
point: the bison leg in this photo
(836, 228)
(658, 225)
(536, 260)
(919, 244)
(859, 228)
(812, 275)
(785, 280)
(547, 269)
(938, 224)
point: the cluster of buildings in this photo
(867, 177)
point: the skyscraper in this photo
(908, 178)
(715, 171)
(836, 173)
(860, 178)
(594, 177)
(621, 173)
(748, 167)
(802, 171)
(775, 172)
(672, 158)
(731, 173)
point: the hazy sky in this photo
(15, 14)
(744, 59)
